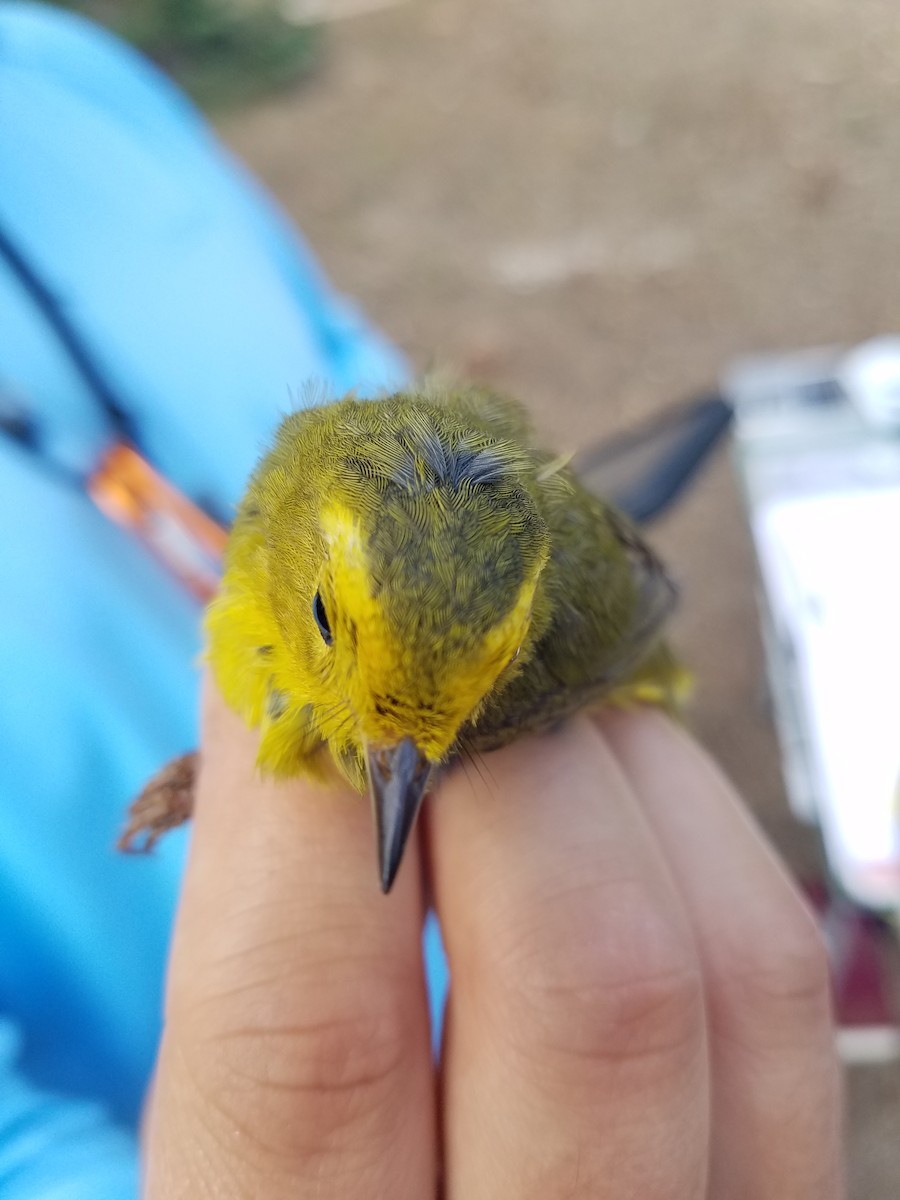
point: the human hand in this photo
(639, 1007)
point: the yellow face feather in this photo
(386, 688)
(419, 538)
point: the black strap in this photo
(15, 422)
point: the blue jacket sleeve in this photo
(57, 1148)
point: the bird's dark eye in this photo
(321, 617)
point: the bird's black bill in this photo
(398, 777)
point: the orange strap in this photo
(180, 535)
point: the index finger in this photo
(295, 1059)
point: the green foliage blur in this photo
(223, 52)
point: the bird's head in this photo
(423, 606)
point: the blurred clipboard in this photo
(822, 484)
(831, 573)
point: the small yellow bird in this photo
(409, 579)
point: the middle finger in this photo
(575, 1059)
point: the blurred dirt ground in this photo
(597, 206)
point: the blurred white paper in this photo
(831, 566)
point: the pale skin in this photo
(640, 1004)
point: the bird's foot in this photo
(165, 802)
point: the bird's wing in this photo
(576, 664)
(657, 596)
